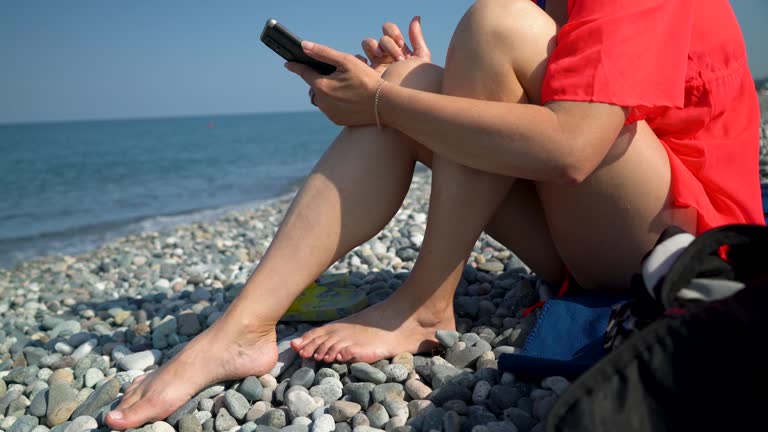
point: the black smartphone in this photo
(288, 46)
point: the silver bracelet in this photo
(376, 102)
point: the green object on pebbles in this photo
(322, 303)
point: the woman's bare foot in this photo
(381, 331)
(223, 352)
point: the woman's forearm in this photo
(518, 140)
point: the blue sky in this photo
(98, 59)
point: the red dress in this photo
(681, 66)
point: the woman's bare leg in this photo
(354, 190)
(600, 228)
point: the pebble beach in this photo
(75, 331)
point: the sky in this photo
(92, 59)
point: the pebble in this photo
(396, 372)
(82, 424)
(140, 361)
(190, 423)
(343, 410)
(61, 403)
(327, 392)
(417, 389)
(236, 404)
(95, 322)
(24, 423)
(447, 338)
(303, 377)
(377, 415)
(325, 423)
(366, 372)
(251, 388)
(557, 384)
(273, 418)
(300, 404)
(224, 421)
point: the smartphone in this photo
(288, 46)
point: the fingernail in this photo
(418, 18)
(307, 45)
(298, 341)
(117, 415)
(400, 58)
(401, 43)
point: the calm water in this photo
(68, 187)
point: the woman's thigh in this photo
(601, 227)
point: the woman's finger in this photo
(390, 48)
(371, 49)
(325, 53)
(393, 31)
(416, 35)
(361, 58)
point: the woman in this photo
(574, 135)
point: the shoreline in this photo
(106, 317)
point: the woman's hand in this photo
(345, 96)
(391, 47)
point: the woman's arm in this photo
(562, 141)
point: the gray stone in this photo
(101, 397)
(504, 396)
(417, 389)
(189, 324)
(82, 424)
(189, 423)
(449, 392)
(557, 384)
(326, 373)
(324, 424)
(377, 415)
(141, 360)
(24, 423)
(257, 410)
(451, 422)
(461, 355)
(39, 404)
(541, 407)
(295, 428)
(443, 374)
(520, 418)
(300, 404)
(285, 357)
(502, 426)
(61, 403)
(366, 372)
(433, 419)
(396, 407)
(396, 373)
(479, 415)
(388, 391)
(342, 411)
(161, 426)
(360, 393)
(328, 392)
(303, 377)
(481, 392)
(251, 388)
(360, 419)
(236, 404)
(273, 418)
(224, 421)
(447, 338)
(491, 266)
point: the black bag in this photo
(686, 352)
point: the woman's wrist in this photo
(377, 102)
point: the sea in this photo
(66, 188)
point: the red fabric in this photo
(681, 66)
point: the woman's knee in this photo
(497, 40)
(415, 74)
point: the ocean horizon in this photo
(70, 186)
